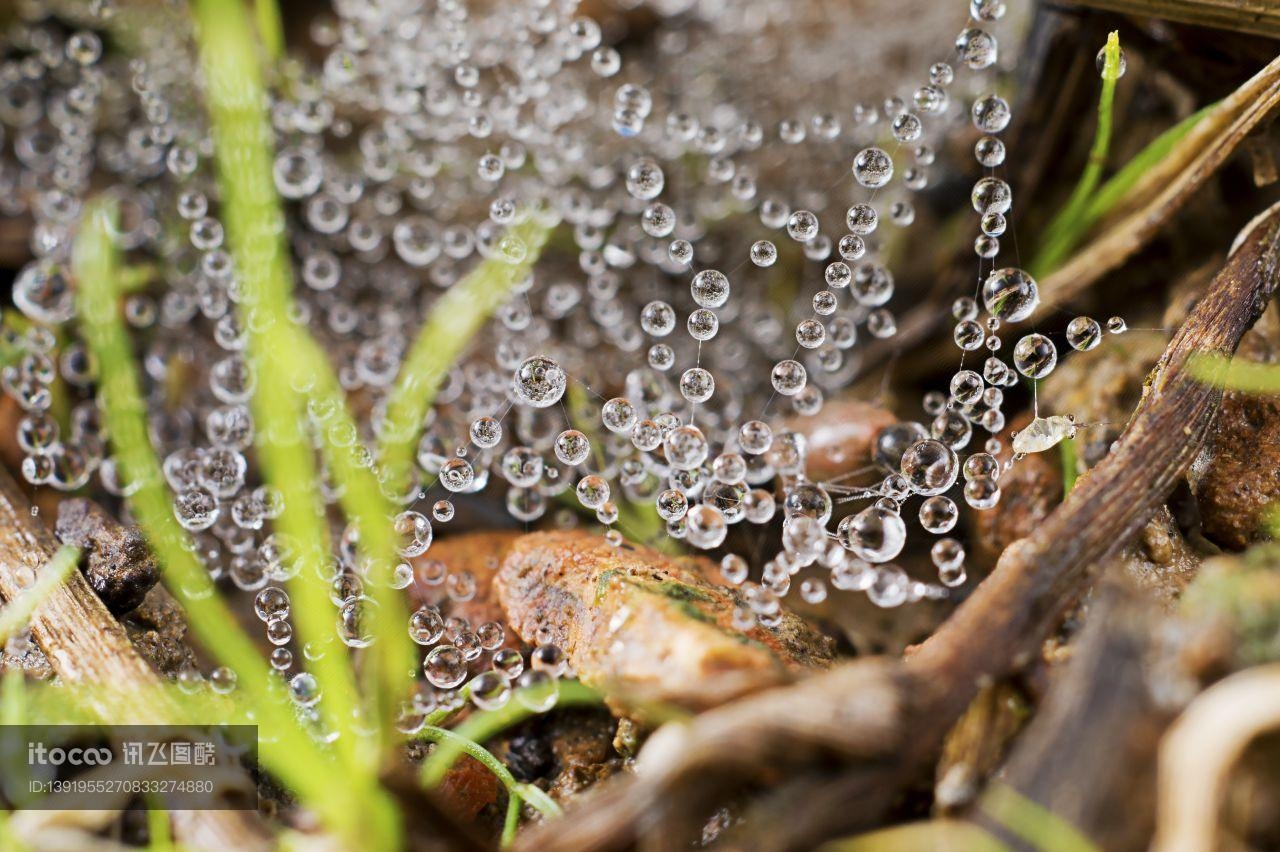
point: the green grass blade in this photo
(537, 799)
(13, 696)
(392, 660)
(159, 832)
(236, 100)
(93, 703)
(486, 724)
(939, 834)
(266, 15)
(1114, 190)
(16, 615)
(1070, 451)
(10, 353)
(8, 837)
(254, 217)
(638, 521)
(289, 752)
(1234, 374)
(1066, 229)
(287, 358)
(1031, 822)
(431, 733)
(454, 320)
(511, 823)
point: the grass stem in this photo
(288, 752)
(453, 322)
(535, 797)
(1068, 227)
(486, 724)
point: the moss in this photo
(691, 611)
(1243, 593)
(684, 592)
(602, 584)
(676, 591)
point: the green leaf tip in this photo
(1112, 59)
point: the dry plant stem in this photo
(995, 631)
(1169, 186)
(80, 638)
(1248, 16)
(776, 727)
(1093, 741)
(1197, 755)
(85, 644)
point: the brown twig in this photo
(80, 638)
(84, 644)
(998, 629)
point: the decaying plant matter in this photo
(84, 643)
(637, 623)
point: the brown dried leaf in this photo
(640, 624)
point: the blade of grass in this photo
(9, 838)
(1113, 192)
(486, 724)
(1066, 229)
(10, 353)
(511, 823)
(13, 697)
(537, 799)
(1237, 375)
(159, 833)
(285, 359)
(1030, 821)
(454, 320)
(14, 616)
(639, 521)
(942, 834)
(393, 660)
(266, 15)
(289, 752)
(1070, 460)
(236, 99)
(1167, 185)
(88, 703)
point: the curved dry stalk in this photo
(1038, 577)
(993, 633)
(775, 728)
(863, 726)
(1199, 750)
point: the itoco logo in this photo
(38, 754)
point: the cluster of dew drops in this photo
(694, 186)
